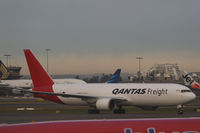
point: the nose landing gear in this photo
(180, 109)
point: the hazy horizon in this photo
(91, 36)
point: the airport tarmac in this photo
(35, 110)
(37, 117)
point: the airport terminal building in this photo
(164, 72)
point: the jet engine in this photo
(105, 104)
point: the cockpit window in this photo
(183, 91)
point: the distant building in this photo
(11, 72)
(164, 72)
(14, 72)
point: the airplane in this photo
(106, 96)
(27, 83)
(115, 77)
(3, 84)
(189, 81)
(159, 125)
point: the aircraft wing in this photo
(82, 96)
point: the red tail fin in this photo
(38, 74)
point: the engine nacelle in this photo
(105, 104)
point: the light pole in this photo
(47, 50)
(139, 73)
(7, 56)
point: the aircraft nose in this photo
(192, 96)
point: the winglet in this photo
(115, 77)
(39, 76)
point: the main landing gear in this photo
(119, 110)
(180, 109)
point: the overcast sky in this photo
(89, 36)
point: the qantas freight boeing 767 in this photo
(106, 96)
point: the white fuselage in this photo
(135, 94)
(27, 83)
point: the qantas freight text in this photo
(149, 91)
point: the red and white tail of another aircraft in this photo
(105, 96)
(186, 125)
(189, 81)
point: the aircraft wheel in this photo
(180, 109)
